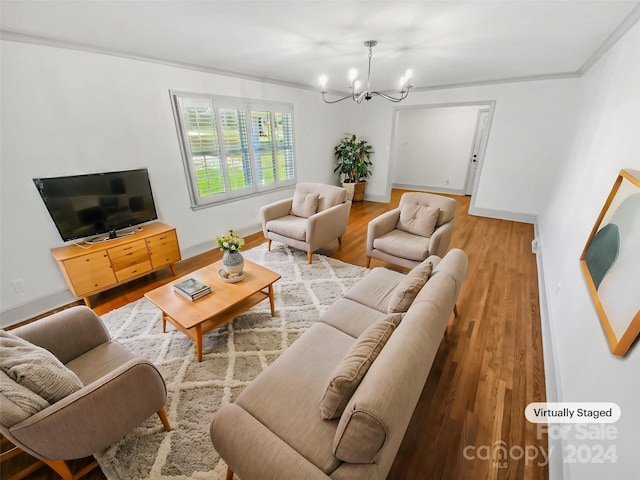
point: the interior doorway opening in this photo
(440, 148)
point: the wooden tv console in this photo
(97, 267)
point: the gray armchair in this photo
(117, 392)
(316, 215)
(422, 225)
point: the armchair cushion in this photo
(37, 369)
(402, 244)
(351, 370)
(290, 227)
(418, 219)
(304, 204)
(406, 291)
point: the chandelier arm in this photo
(390, 98)
(334, 101)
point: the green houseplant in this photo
(353, 158)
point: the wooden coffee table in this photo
(223, 304)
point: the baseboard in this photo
(36, 307)
(202, 247)
(503, 215)
(422, 188)
(557, 468)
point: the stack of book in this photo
(192, 289)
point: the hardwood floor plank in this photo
(483, 376)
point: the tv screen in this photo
(86, 205)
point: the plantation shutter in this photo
(203, 148)
(232, 147)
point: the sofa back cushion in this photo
(349, 372)
(408, 288)
(329, 195)
(36, 369)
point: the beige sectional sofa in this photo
(276, 430)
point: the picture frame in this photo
(610, 262)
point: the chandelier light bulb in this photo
(356, 85)
(322, 81)
(353, 74)
(408, 74)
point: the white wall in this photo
(432, 147)
(71, 112)
(607, 140)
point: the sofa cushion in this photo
(418, 219)
(351, 370)
(304, 204)
(403, 244)
(284, 397)
(35, 368)
(289, 226)
(350, 317)
(406, 291)
(375, 289)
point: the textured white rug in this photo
(232, 356)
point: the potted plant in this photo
(353, 162)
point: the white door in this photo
(477, 149)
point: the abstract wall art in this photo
(610, 262)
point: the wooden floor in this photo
(469, 422)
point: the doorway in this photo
(440, 148)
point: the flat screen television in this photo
(88, 205)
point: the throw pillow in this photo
(406, 291)
(35, 368)
(418, 219)
(304, 204)
(24, 398)
(352, 368)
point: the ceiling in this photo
(291, 42)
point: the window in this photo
(233, 147)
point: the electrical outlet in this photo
(18, 285)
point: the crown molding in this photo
(629, 21)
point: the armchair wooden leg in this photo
(62, 469)
(340, 241)
(367, 261)
(162, 413)
(310, 257)
(455, 309)
(269, 245)
(229, 473)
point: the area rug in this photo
(232, 356)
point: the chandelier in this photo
(354, 84)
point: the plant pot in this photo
(349, 188)
(232, 262)
(358, 191)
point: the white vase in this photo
(232, 262)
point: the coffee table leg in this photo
(272, 301)
(164, 322)
(198, 339)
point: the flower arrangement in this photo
(231, 242)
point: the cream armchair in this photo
(421, 226)
(316, 215)
(114, 392)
